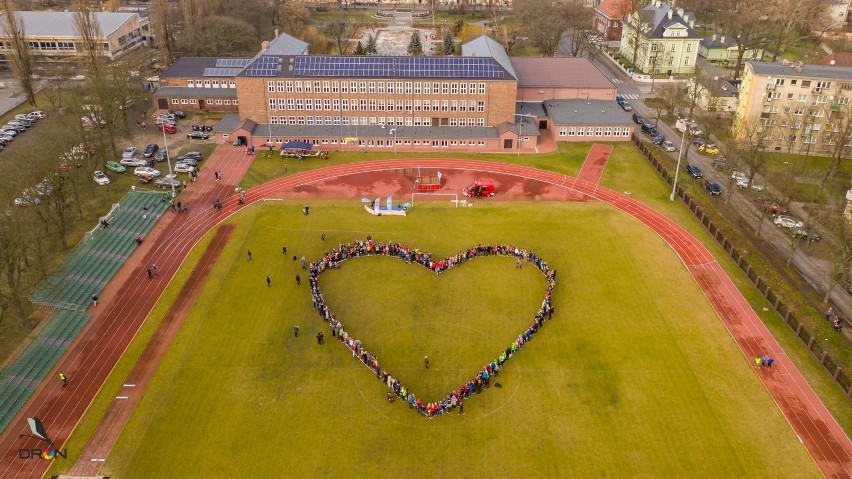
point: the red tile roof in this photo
(839, 59)
(614, 8)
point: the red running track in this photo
(593, 166)
(823, 437)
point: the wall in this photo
(541, 94)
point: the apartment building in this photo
(800, 108)
(662, 38)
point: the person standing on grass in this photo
(426, 361)
(63, 378)
(296, 330)
(322, 237)
(298, 280)
(304, 263)
(268, 281)
(249, 255)
(284, 249)
(320, 338)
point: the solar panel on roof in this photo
(222, 72)
(413, 67)
(232, 62)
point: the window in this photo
(190, 84)
(608, 131)
(300, 104)
(372, 105)
(273, 105)
(653, 47)
(463, 90)
(372, 87)
(362, 87)
(480, 122)
(571, 131)
(335, 87)
(345, 103)
(598, 131)
(398, 88)
(408, 87)
(480, 106)
(563, 131)
(309, 104)
(689, 47)
(802, 98)
(381, 87)
(227, 102)
(673, 48)
(471, 88)
(482, 88)
(280, 86)
(270, 87)
(453, 105)
(417, 88)
(183, 101)
(426, 88)
(175, 101)
(581, 131)
(298, 87)
(282, 104)
(445, 105)
(291, 104)
(326, 87)
(445, 88)
(326, 104)
(335, 104)
(454, 88)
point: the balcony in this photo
(835, 107)
(770, 87)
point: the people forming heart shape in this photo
(455, 399)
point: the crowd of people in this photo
(482, 379)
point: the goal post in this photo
(453, 197)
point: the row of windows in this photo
(209, 101)
(385, 143)
(672, 47)
(47, 46)
(211, 84)
(345, 104)
(594, 131)
(372, 120)
(409, 88)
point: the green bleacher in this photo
(69, 290)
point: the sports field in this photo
(634, 377)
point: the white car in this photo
(184, 168)
(133, 162)
(129, 152)
(101, 178)
(38, 114)
(8, 131)
(788, 222)
(668, 145)
(146, 171)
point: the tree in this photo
(791, 21)
(744, 22)
(579, 22)
(839, 241)
(371, 45)
(89, 32)
(750, 145)
(635, 31)
(219, 35)
(21, 63)
(317, 42)
(838, 132)
(449, 47)
(415, 46)
(359, 49)
(191, 10)
(163, 24)
(545, 23)
(294, 17)
(337, 32)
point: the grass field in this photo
(634, 377)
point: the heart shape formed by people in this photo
(455, 398)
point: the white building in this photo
(662, 39)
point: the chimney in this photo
(670, 13)
(722, 39)
(714, 37)
(264, 45)
(691, 23)
(674, 2)
(276, 33)
(680, 12)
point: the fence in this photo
(808, 339)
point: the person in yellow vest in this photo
(64, 379)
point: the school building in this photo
(482, 100)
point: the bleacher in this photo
(69, 290)
(95, 261)
(24, 374)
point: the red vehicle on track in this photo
(479, 189)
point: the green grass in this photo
(630, 370)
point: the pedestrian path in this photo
(592, 169)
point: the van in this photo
(479, 189)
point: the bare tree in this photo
(635, 31)
(839, 241)
(751, 144)
(192, 12)
(791, 21)
(163, 21)
(219, 35)
(21, 63)
(294, 17)
(545, 23)
(837, 134)
(89, 31)
(745, 23)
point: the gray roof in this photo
(187, 92)
(374, 131)
(535, 108)
(720, 87)
(562, 72)
(806, 71)
(62, 25)
(586, 112)
(285, 45)
(189, 67)
(658, 18)
(486, 47)
(718, 41)
(227, 124)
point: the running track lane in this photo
(818, 430)
(593, 166)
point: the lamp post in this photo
(393, 132)
(169, 163)
(679, 156)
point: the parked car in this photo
(709, 149)
(160, 156)
(177, 113)
(184, 168)
(101, 178)
(658, 139)
(638, 119)
(713, 187)
(789, 222)
(18, 128)
(187, 161)
(624, 104)
(146, 171)
(650, 130)
(133, 162)
(6, 138)
(116, 167)
(196, 155)
(129, 152)
(8, 131)
(167, 182)
(197, 127)
(694, 171)
(168, 128)
(150, 150)
(24, 117)
(698, 141)
(720, 163)
(38, 114)
(668, 146)
(197, 135)
(681, 125)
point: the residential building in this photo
(662, 39)
(723, 48)
(716, 94)
(483, 100)
(801, 108)
(837, 13)
(55, 34)
(838, 59)
(609, 16)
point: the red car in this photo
(168, 128)
(479, 189)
